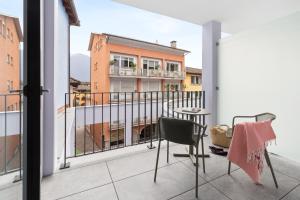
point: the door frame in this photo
(32, 100)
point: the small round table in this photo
(192, 112)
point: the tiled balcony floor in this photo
(128, 175)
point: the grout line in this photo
(212, 178)
(117, 157)
(69, 195)
(112, 180)
(289, 191)
(193, 188)
(282, 173)
(10, 185)
(147, 171)
(219, 190)
(209, 181)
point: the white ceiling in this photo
(235, 15)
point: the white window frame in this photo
(1, 27)
(8, 59)
(146, 85)
(148, 60)
(196, 78)
(173, 62)
(134, 59)
(8, 33)
(117, 83)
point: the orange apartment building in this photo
(10, 38)
(121, 64)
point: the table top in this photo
(189, 111)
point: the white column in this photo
(48, 140)
(211, 34)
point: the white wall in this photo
(259, 71)
(55, 80)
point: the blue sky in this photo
(110, 17)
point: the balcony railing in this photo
(120, 71)
(128, 119)
(11, 133)
(150, 73)
(174, 74)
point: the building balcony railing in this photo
(151, 73)
(120, 71)
(113, 120)
(145, 73)
(174, 74)
(105, 121)
(11, 117)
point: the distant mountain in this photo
(80, 67)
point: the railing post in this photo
(151, 129)
(65, 164)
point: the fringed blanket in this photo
(248, 145)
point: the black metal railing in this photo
(113, 120)
(10, 133)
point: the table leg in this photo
(190, 154)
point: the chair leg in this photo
(271, 168)
(167, 151)
(203, 158)
(229, 166)
(157, 158)
(197, 169)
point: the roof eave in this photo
(72, 13)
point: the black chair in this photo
(181, 132)
(258, 118)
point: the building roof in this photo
(192, 70)
(17, 25)
(71, 11)
(131, 42)
(84, 87)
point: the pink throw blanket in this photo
(248, 145)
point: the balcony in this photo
(144, 73)
(128, 174)
(122, 72)
(122, 167)
(174, 75)
(151, 73)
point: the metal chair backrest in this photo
(265, 116)
(258, 118)
(177, 130)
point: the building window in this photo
(95, 66)
(173, 66)
(123, 61)
(151, 64)
(123, 85)
(8, 33)
(1, 29)
(11, 37)
(96, 85)
(195, 80)
(10, 85)
(8, 59)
